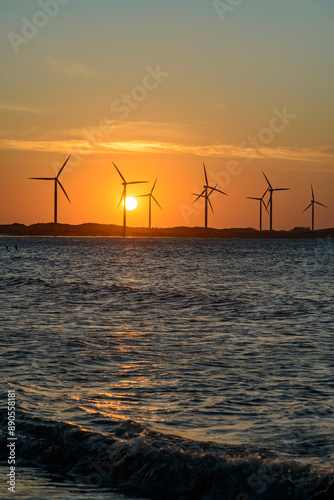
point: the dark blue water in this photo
(169, 368)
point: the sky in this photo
(158, 88)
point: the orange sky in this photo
(106, 82)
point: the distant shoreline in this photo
(111, 230)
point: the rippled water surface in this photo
(224, 341)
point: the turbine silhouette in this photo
(150, 198)
(57, 182)
(312, 205)
(261, 200)
(206, 195)
(270, 202)
(123, 197)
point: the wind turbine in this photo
(150, 197)
(206, 195)
(123, 197)
(270, 202)
(261, 200)
(56, 181)
(312, 205)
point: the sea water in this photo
(168, 368)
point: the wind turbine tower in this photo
(57, 182)
(313, 202)
(150, 198)
(262, 203)
(270, 202)
(207, 191)
(123, 197)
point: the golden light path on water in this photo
(210, 358)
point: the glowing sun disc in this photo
(130, 203)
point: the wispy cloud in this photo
(142, 131)
(278, 153)
(72, 68)
(52, 146)
(118, 130)
(18, 108)
(84, 147)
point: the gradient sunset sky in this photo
(158, 87)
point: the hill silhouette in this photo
(112, 230)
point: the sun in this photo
(130, 203)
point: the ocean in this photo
(167, 368)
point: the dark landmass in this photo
(112, 230)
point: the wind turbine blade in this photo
(154, 185)
(206, 177)
(210, 206)
(308, 207)
(264, 194)
(199, 195)
(265, 206)
(137, 182)
(119, 173)
(218, 190)
(251, 198)
(211, 189)
(156, 201)
(317, 202)
(312, 192)
(42, 178)
(142, 195)
(60, 184)
(267, 180)
(282, 189)
(120, 201)
(62, 168)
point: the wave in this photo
(132, 459)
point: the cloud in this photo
(118, 130)
(84, 147)
(277, 153)
(42, 146)
(17, 108)
(73, 68)
(145, 137)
